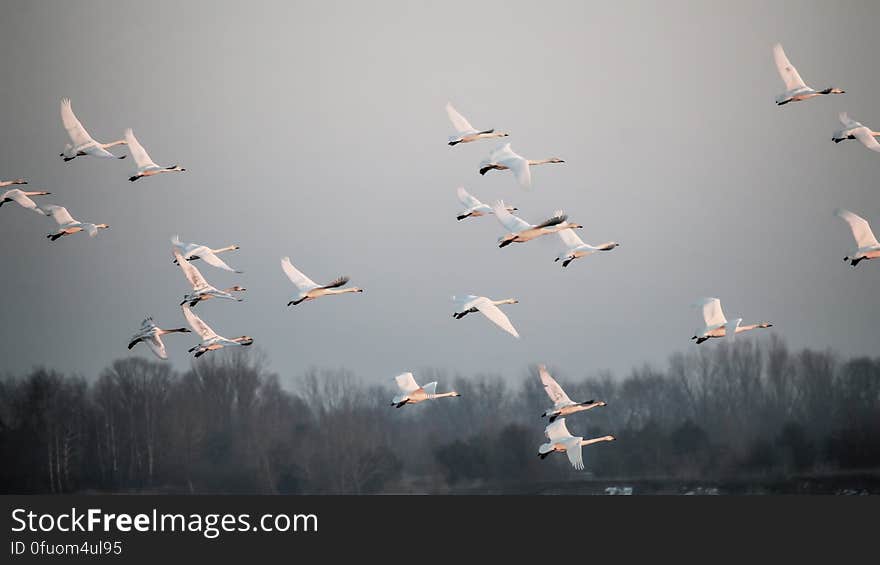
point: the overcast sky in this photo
(317, 130)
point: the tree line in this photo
(227, 425)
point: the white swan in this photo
(21, 198)
(503, 158)
(868, 247)
(469, 304)
(716, 325)
(81, 143)
(856, 130)
(575, 247)
(309, 289)
(473, 208)
(145, 166)
(412, 393)
(4, 183)
(562, 404)
(562, 440)
(210, 340)
(201, 290)
(467, 132)
(193, 251)
(67, 225)
(795, 87)
(151, 334)
(521, 231)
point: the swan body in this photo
(473, 208)
(67, 225)
(561, 440)
(5, 183)
(201, 290)
(503, 158)
(309, 289)
(520, 231)
(562, 404)
(412, 393)
(151, 334)
(193, 251)
(469, 304)
(716, 325)
(81, 143)
(22, 198)
(145, 165)
(856, 130)
(795, 87)
(867, 245)
(210, 340)
(575, 248)
(465, 132)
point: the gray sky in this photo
(317, 130)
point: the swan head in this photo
(244, 340)
(609, 438)
(175, 168)
(836, 91)
(237, 288)
(102, 226)
(555, 160)
(454, 394)
(599, 403)
(21, 181)
(609, 246)
(765, 325)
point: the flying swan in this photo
(193, 251)
(717, 325)
(503, 158)
(855, 130)
(473, 208)
(21, 198)
(309, 289)
(469, 304)
(520, 231)
(412, 393)
(81, 143)
(562, 440)
(562, 404)
(575, 247)
(210, 340)
(145, 166)
(151, 334)
(868, 247)
(201, 290)
(795, 87)
(4, 183)
(67, 225)
(467, 132)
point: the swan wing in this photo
(191, 273)
(337, 282)
(511, 223)
(730, 329)
(558, 217)
(521, 170)
(860, 228)
(554, 391)
(570, 238)
(75, 130)
(466, 199)
(712, 313)
(406, 383)
(848, 122)
(156, 346)
(138, 153)
(575, 453)
(789, 74)
(494, 313)
(863, 134)
(299, 280)
(91, 229)
(209, 257)
(197, 325)
(557, 430)
(59, 214)
(459, 122)
(430, 388)
(23, 200)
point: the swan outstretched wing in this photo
(554, 391)
(789, 74)
(466, 199)
(138, 153)
(570, 238)
(91, 229)
(59, 214)
(75, 130)
(337, 282)
(156, 346)
(557, 430)
(209, 257)
(558, 217)
(191, 273)
(860, 228)
(730, 329)
(407, 383)
(430, 388)
(521, 170)
(197, 325)
(713, 316)
(848, 122)
(511, 223)
(863, 134)
(575, 453)
(22, 200)
(494, 313)
(302, 282)
(459, 122)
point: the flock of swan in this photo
(517, 230)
